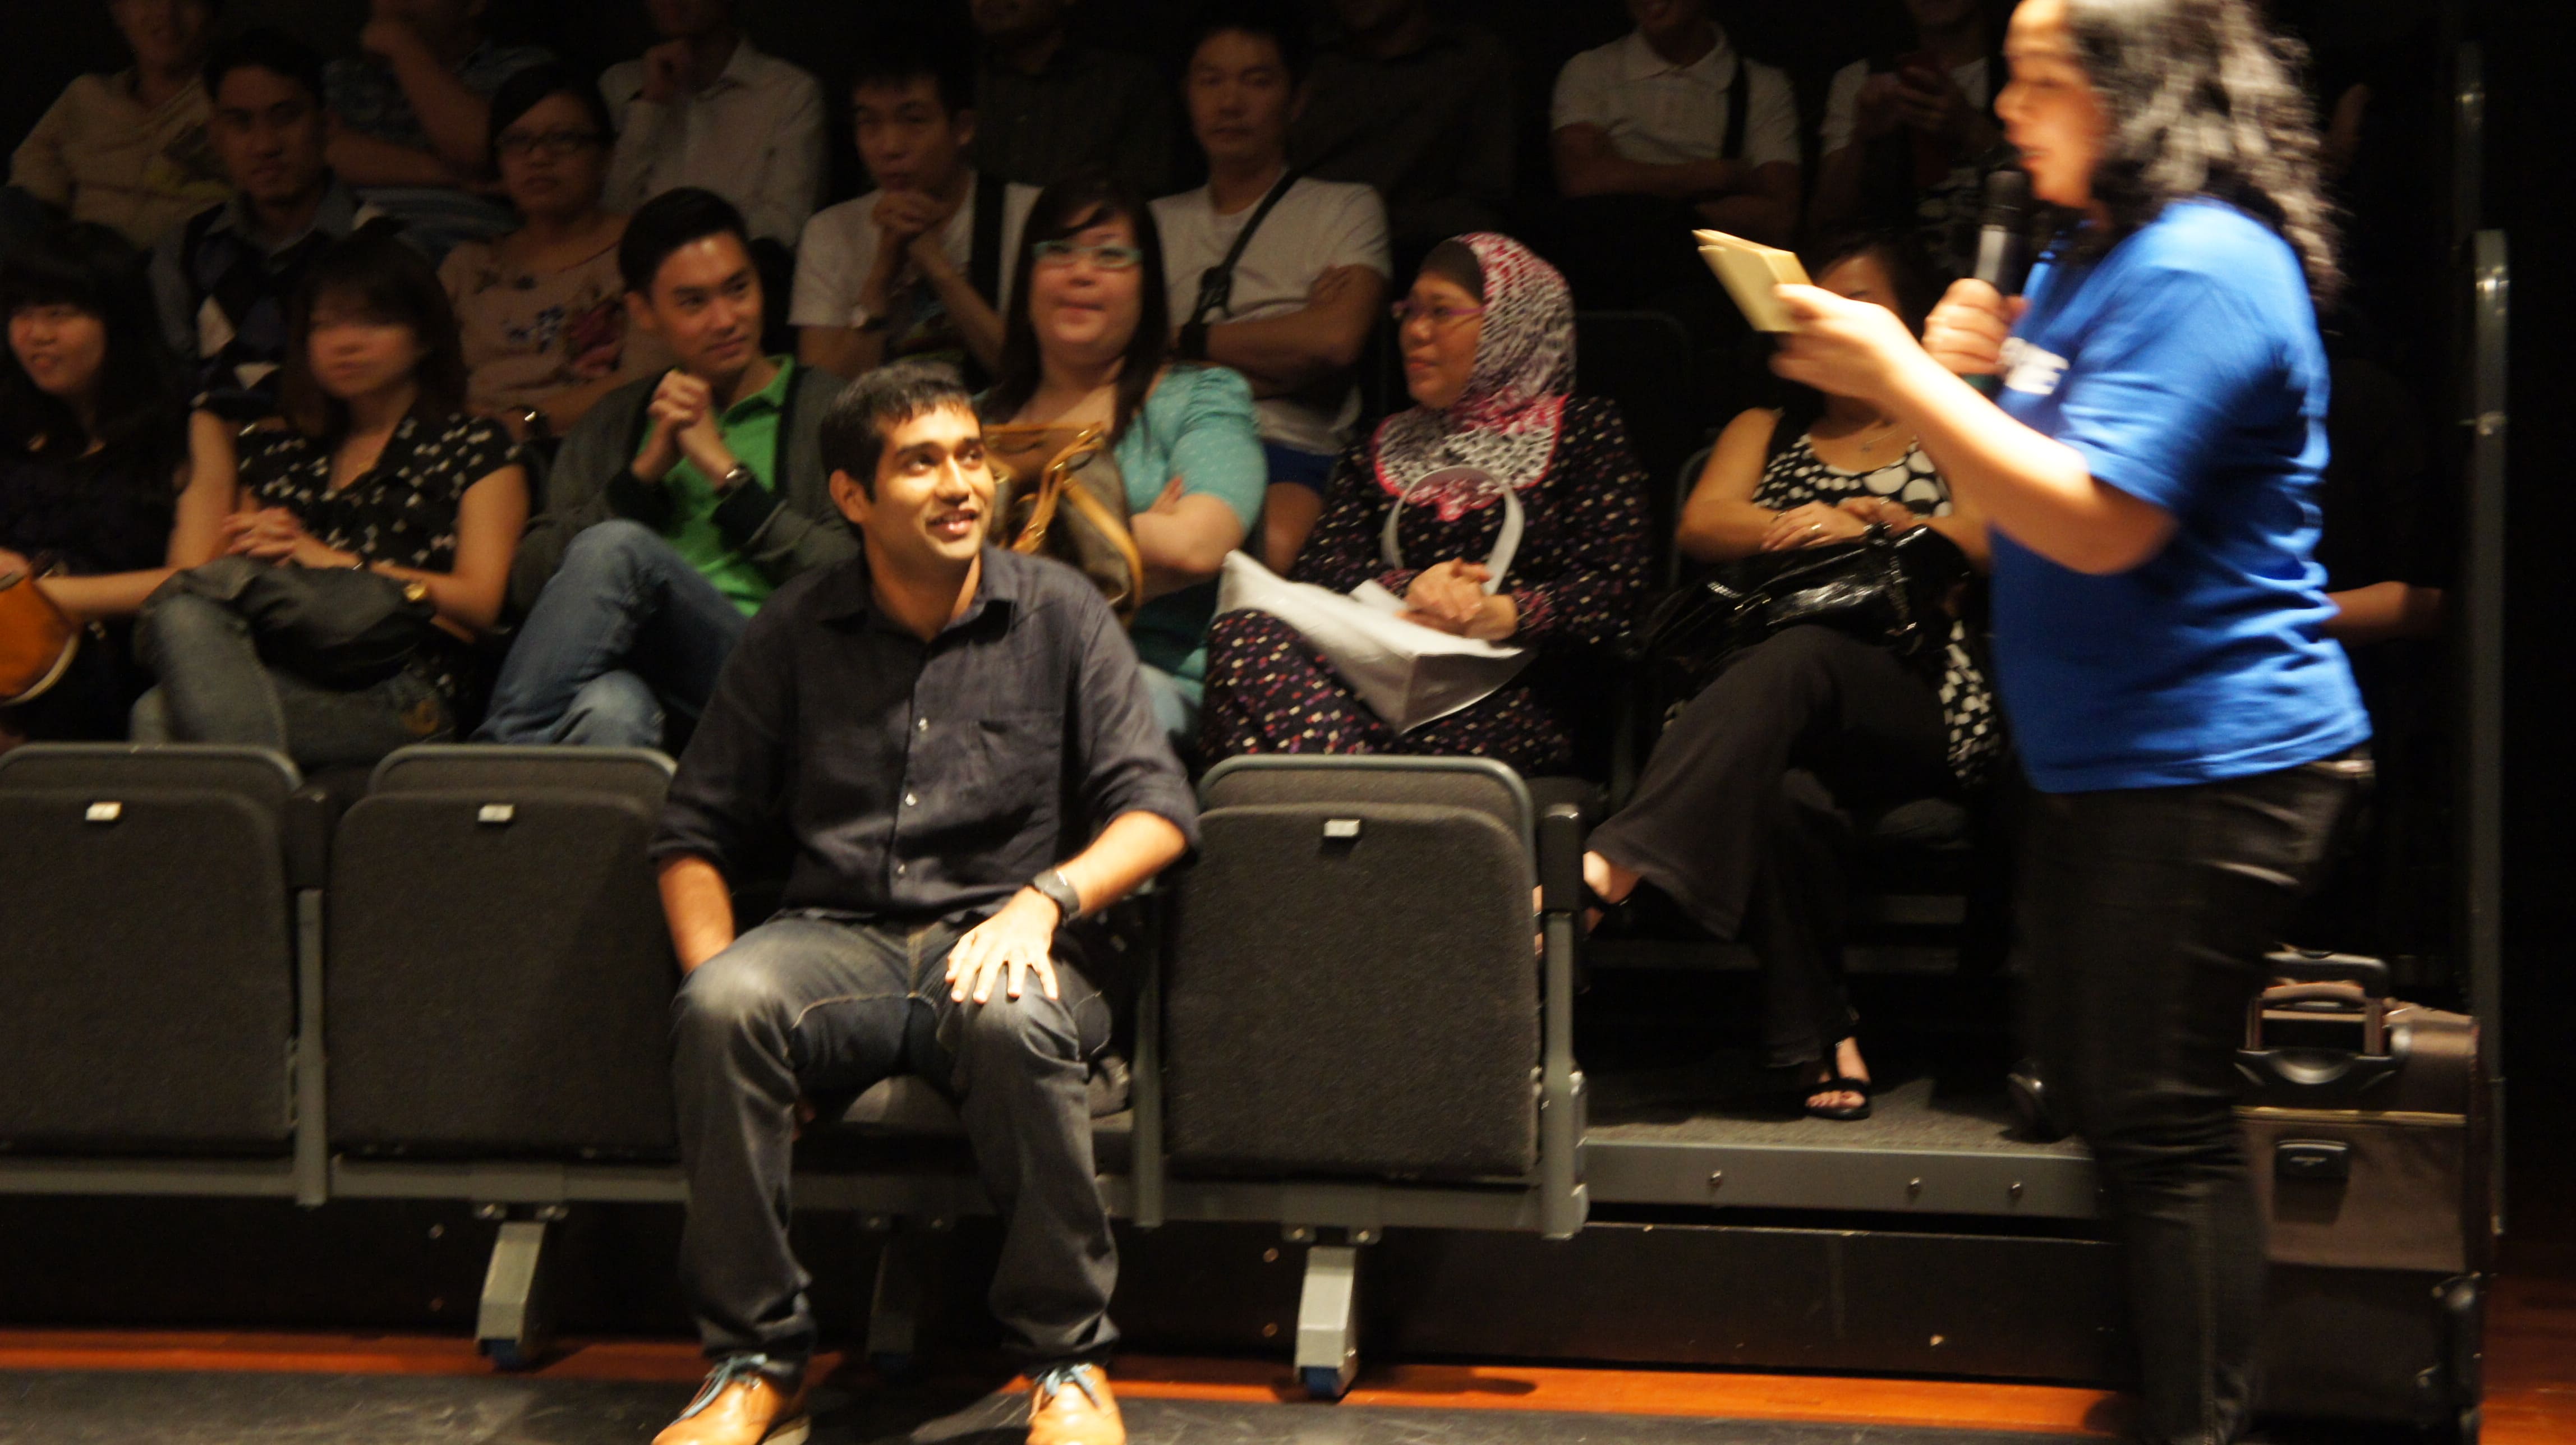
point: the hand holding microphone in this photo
(2003, 264)
(1966, 332)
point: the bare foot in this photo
(1846, 1064)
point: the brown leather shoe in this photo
(738, 1405)
(1072, 1406)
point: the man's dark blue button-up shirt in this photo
(912, 779)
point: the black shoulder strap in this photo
(1216, 284)
(984, 253)
(1739, 104)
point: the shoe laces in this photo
(1056, 1379)
(729, 1371)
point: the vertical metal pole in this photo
(2483, 583)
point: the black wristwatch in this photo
(734, 478)
(1056, 890)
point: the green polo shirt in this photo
(750, 431)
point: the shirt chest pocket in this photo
(1009, 767)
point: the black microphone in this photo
(2003, 244)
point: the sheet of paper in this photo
(1749, 270)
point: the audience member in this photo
(129, 150)
(1089, 343)
(1664, 130)
(1048, 107)
(1744, 813)
(915, 268)
(1488, 337)
(223, 279)
(676, 506)
(1908, 139)
(415, 111)
(1419, 108)
(96, 492)
(1673, 110)
(953, 743)
(542, 309)
(1283, 290)
(376, 467)
(705, 109)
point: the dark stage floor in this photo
(97, 1408)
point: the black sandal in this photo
(1838, 1084)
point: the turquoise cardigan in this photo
(1199, 426)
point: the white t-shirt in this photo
(1842, 100)
(1659, 113)
(1316, 227)
(840, 250)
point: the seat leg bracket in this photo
(514, 1324)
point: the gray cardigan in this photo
(785, 528)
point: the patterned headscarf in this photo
(1506, 422)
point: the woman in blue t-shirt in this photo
(2149, 473)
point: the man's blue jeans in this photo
(626, 637)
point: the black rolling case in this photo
(2366, 1123)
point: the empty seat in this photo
(148, 955)
(1351, 988)
(499, 975)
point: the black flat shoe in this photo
(1839, 1084)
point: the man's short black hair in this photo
(270, 49)
(898, 52)
(856, 426)
(669, 221)
(1277, 21)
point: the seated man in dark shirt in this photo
(1418, 107)
(956, 745)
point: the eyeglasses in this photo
(1440, 317)
(553, 143)
(1107, 256)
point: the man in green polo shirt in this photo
(676, 506)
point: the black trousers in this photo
(1744, 812)
(2145, 915)
(822, 1006)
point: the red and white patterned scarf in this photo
(1505, 424)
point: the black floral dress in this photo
(1583, 562)
(402, 512)
(1797, 476)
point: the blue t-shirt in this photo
(2186, 369)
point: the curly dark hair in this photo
(2204, 100)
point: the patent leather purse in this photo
(1890, 589)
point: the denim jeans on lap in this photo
(2145, 915)
(214, 689)
(626, 636)
(821, 1006)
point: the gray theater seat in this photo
(149, 955)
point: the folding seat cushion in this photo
(147, 949)
(1351, 987)
(499, 976)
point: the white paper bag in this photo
(1407, 673)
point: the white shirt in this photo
(754, 137)
(1659, 113)
(839, 250)
(1842, 99)
(1317, 226)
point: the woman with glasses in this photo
(1487, 333)
(1088, 342)
(541, 309)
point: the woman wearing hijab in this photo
(1488, 339)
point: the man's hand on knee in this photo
(1019, 939)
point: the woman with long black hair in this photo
(97, 496)
(2149, 472)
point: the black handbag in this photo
(344, 628)
(1891, 589)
